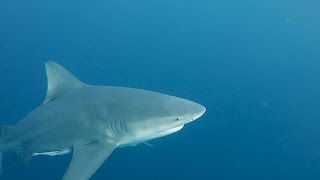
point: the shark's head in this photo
(162, 115)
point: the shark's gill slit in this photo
(113, 126)
(109, 128)
(119, 127)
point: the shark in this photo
(92, 121)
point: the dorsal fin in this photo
(59, 81)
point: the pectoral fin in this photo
(87, 159)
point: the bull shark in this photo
(92, 121)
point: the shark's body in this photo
(92, 121)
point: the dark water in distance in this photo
(255, 65)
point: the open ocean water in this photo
(255, 66)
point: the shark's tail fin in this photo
(4, 129)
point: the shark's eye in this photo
(178, 118)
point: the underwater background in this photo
(255, 66)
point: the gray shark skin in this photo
(92, 121)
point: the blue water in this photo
(255, 65)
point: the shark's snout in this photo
(199, 110)
(187, 111)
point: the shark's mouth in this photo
(169, 131)
(151, 137)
